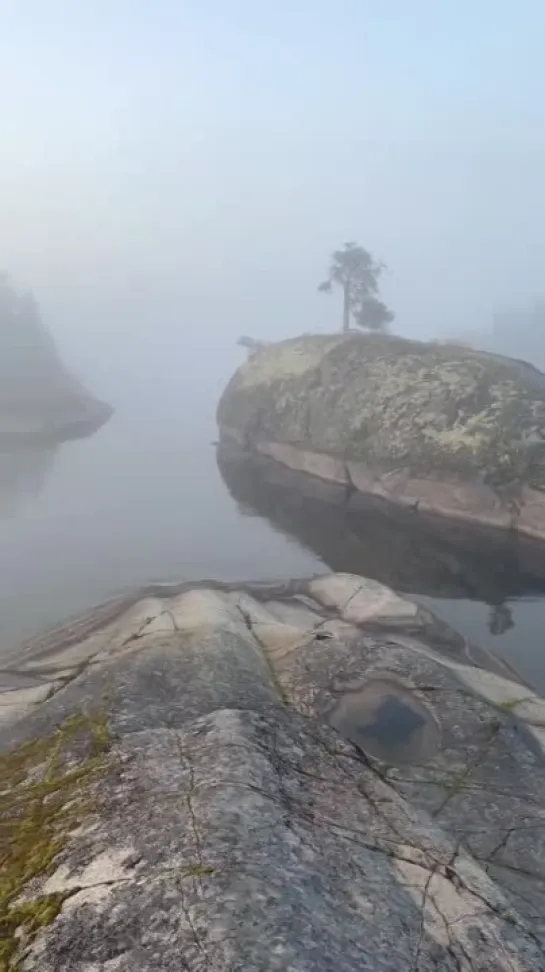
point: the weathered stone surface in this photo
(196, 809)
(252, 345)
(439, 427)
(316, 464)
(463, 501)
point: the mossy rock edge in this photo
(46, 792)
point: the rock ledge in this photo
(311, 776)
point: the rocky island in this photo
(311, 775)
(434, 427)
(41, 402)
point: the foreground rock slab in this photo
(309, 776)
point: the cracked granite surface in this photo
(233, 828)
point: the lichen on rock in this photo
(440, 413)
(296, 775)
(45, 793)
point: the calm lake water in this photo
(147, 500)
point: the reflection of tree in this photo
(22, 474)
(500, 619)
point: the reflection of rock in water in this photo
(22, 474)
(408, 551)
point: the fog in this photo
(173, 176)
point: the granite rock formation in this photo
(436, 427)
(268, 777)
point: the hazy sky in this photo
(172, 169)
(174, 175)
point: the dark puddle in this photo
(387, 721)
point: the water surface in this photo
(147, 499)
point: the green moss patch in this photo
(45, 793)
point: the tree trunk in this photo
(346, 308)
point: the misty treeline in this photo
(357, 275)
(516, 332)
(19, 313)
(27, 350)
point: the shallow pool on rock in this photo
(386, 720)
